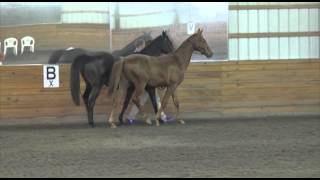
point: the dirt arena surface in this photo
(68, 147)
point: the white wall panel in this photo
(263, 48)
(243, 21)
(304, 47)
(243, 49)
(284, 20)
(293, 20)
(303, 20)
(314, 47)
(314, 20)
(274, 48)
(273, 21)
(263, 20)
(233, 22)
(253, 48)
(293, 47)
(284, 47)
(233, 49)
(253, 21)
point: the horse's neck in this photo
(184, 53)
(151, 51)
(126, 51)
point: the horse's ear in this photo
(146, 33)
(163, 32)
(200, 31)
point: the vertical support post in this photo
(110, 27)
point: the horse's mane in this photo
(150, 44)
(153, 42)
(131, 45)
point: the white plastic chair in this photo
(70, 48)
(11, 43)
(27, 41)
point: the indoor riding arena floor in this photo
(68, 147)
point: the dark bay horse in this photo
(163, 71)
(66, 56)
(95, 68)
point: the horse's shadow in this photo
(98, 125)
(49, 126)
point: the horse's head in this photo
(200, 44)
(147, 36)
(166, 45)
(140, 42)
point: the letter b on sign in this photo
(51, 73)
(50, 76)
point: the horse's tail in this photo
(115, 76)
(55, 56)
(75, 69)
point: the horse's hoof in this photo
(162, 121)
(92, 125)
(182, 122)
(113, 126)
(130, 121)
(148, 121)
(123, 121)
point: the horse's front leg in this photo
(166, 96)
(130, 91)
(111, 122)
(176, 103)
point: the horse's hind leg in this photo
(126, 102)
(139, 90)
(123, 86)
(91, 102)
(85, 98)
(152, 94)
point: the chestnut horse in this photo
(162, 71)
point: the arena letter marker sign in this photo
(50, 76)
(190, 28)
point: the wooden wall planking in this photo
(96, 36)
(218, 89)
